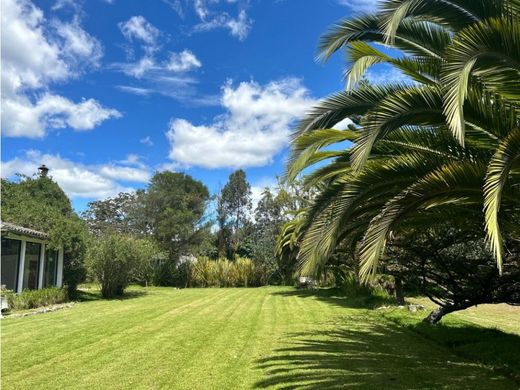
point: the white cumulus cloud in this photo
(254, 128)
(35, 54)
(22, 118)
(80, 180)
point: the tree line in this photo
(171, 233)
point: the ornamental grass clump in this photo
(30, 299)
(205, 272)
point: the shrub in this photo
(115, 259)
(150, 265)
(204, 272)
(30, 299)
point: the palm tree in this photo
(446, 144)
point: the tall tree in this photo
(124, 213)
(175, 206)
(268, 222)
(234, 210)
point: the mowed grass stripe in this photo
(92, 361)
(227, 339)
(91, 326)
(164, 340)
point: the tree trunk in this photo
(399, 294)
(436, 315)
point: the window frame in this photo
(45, 266)
(27, 243)
(19, 257)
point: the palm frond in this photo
(346, 104)
(489, 50)
(415, 38)
(454, 183)
(408, 106)
(450, 14)
(362, 56)
(507, 153)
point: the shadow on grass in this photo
(95, 295)
(489, 346)
(336, 297)
(371, 357)
(367, 351)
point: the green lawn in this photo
(231, 339)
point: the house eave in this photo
(12, 230)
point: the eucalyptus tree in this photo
(444, 143)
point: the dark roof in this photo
(23, 231)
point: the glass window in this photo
(10, 263)
(31, 266)
(51, 268)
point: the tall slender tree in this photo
(234, 211)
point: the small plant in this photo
(30, 299)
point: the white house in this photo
(26, 262)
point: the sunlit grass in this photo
(228, 339)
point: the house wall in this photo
(42, 257)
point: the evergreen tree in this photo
(234, 210)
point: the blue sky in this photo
(108, 92)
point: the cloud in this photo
(361, 6)
(78, 47)
(183, 61)
(135, 90)
(157, 79)
(258, 188)
(21, 118)
(138, 69)
(35, 54)
(212, 18)
(165, 76)
(238, 27)
(343, 124)
(176, 5)
(254, 128)
(387, 75)
(125, 173)
(138, 28)
(180, 87)
(79, 180)
(146, 141)
(148, 66)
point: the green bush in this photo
(150, 264)
(380, 286)
(30, 299)
(116, 259)
(204, 272)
